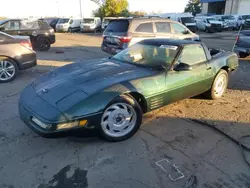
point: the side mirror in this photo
(182, 67)
(185, 32)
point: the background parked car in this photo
(247, 21)
(186, 19)
(208, 24)
(91, 24)
(51, 21)
(239, 20)
(68, 25)
(122, 33)
(40, 33)
(229, 21)
(15, 54)
(242, 47)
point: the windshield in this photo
(211, 19)
(62, 21)
(227, 18)
(148, 55)
(187, 20)
(246, 17)
(89, 21)
(3, 21)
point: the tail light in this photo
(26, 44)
(125, 39)
(237, 38)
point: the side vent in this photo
(157, 102)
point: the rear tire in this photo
(8, 69)
(121, 119)
(43, 44)
(219, 86)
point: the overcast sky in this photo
(24, 8)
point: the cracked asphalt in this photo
(84, 161)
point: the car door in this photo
(163, 30)
(180, 32)
(182, 84)
(143, 31)
(12, 27)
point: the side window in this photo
(145, 28)
(12, 25)
(71, 21)
(162, 27)
(192, 54)
(178, 28)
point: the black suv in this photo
(51, 21)
(40, 33)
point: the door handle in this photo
(209, 68)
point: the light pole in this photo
(80, 4)
(57, 8)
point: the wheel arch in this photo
(140, 99)
(12, 58)
(226, 68)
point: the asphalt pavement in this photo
(173, 148)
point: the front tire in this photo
(219, 85)
(121, 119)
(43, 44)
(8, 70)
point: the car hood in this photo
(215, 22)
(84, 79)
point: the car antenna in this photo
(236, 39)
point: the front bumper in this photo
(87, 29)
(52, 39)
(26, 116)
(62, 29)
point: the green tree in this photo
(113, 8)
(193, 6)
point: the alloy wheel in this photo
(7, 70)
(220, 85)
(118, 120)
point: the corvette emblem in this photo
(45, 91)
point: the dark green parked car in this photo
(112, 94)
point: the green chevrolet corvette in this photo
(111, 95)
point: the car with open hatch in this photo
(40, 33)
(16, 54)
(111, 95)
